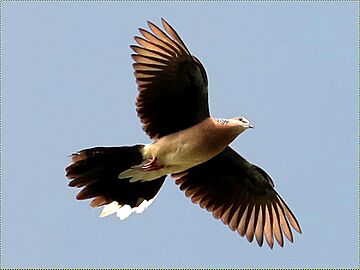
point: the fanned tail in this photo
(97, 170)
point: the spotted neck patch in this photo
(222, 121)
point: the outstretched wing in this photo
(242, 195)
(172, 83)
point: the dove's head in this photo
(241, 123)
(229, 129)
(237, 124)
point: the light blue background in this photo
(291, 68)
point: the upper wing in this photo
(172, 83)
(241, 195)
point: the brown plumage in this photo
(242, 195)
(172, 83)
(172, 105)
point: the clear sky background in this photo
(291, 68)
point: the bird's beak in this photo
(251, 126)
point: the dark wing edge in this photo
(172, 84)
(242, 196)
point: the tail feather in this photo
(97, 170)
(98, 201)
(100, 158)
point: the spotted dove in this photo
(188, 144)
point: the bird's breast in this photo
(187, 148)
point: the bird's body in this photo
(188, 144)
(179, 151)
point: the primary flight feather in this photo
(189, 144)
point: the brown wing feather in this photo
(172, 83)
(242, 195)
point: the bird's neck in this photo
(224, 130)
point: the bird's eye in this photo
(243, 120)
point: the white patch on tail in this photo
(145, 204)
(110, 208)
(123, 211)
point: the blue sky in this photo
(67, 84)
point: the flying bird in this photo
(188, 144)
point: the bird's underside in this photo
(172, 105)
